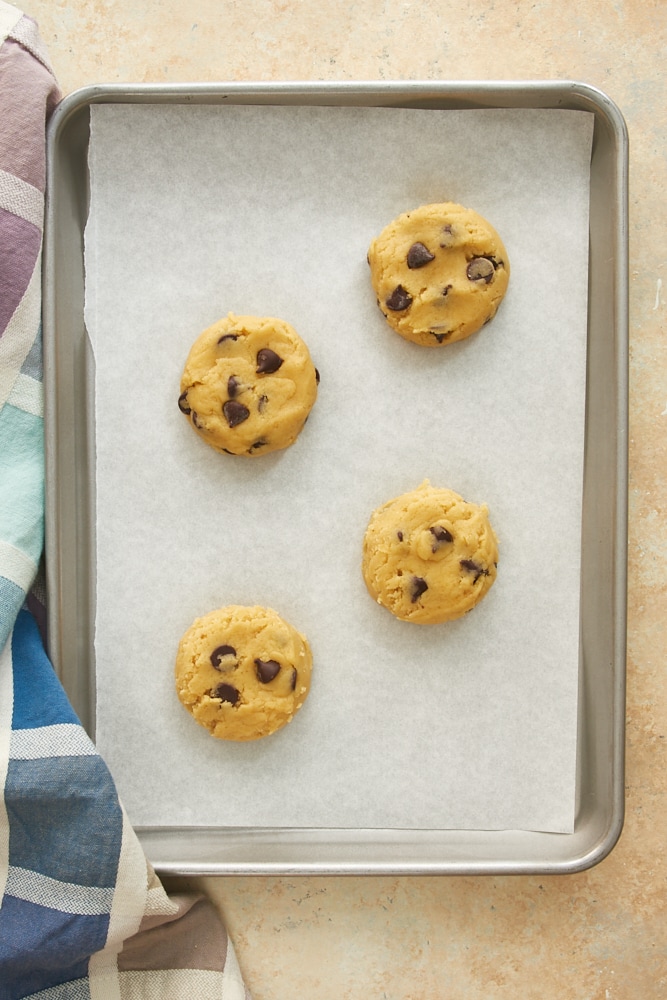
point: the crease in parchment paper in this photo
(198, 211)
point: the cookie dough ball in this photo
(429, 556)
(243, 672)
(248, 385)
(439, 273)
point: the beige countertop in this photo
(602, 934)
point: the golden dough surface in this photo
(243, 672)
(429, 556)
(248, 385)
(439, 273)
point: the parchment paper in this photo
(197, 211)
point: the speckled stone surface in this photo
(602, 934)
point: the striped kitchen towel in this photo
(28, 93)
(82, 913)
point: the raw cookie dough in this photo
(429, 556)
(243, 672)
(248, 385)
(439, 273)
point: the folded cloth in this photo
(82, 913)
(28, 93)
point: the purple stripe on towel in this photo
(194, 938)
(19, 248)
(29, 94)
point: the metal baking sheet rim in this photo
(70, 515)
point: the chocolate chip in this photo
(294, 675)
(440, 536)
(399, 299)
(235, 413)
(228, 336)
(417, 588)
(183, 404)
(268, 361)
(448, 233)
(256, 445)
(233, 386)
(440, 336)
(480, 270)
(220, 652)
(195, 419)
(419, 255)
(473, 567)
(261, 403)
(446, 290)
(400, 535)
(226, 692)
(317, 377)
(266, 670)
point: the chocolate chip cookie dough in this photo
(439, 273)
(248, 385)
(243, 672)
(429, 556)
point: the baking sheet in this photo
(196, 211)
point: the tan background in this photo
(600, 935)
